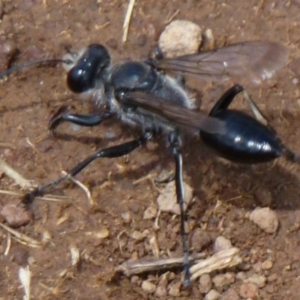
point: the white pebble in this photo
(148, 287)
(212, 295)
(180, 37)
(221, 243)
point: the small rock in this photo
(212, 295)
(180, 37)
(139, 236)
(257, 267)
(223, 280)
(272, 277)
(258, 280)
(161, 292)
(135, 279)
(248, 290)
(265, 218)
(267, 265)
(167, 200)
(15, 215)
(241, 276)
(205, 283)
(102, 234)
(221, 243)
(150, 213)
(230, 294)
(126, 217)
(174, 288)
(200, 239)
(148, 287)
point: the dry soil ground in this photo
(224, 192)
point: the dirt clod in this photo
(15, 215)
(221, 243)
(187, 34)
(248, 290)
(205, 283)
(167, 200)
(265, 218)
(148, 287)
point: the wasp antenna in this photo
(33, 63)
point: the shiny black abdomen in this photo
(245, 140)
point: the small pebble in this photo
(200, 240)
(272, 277)
(230, 294)
(248, 290)
(257, 267)
(265, 218)
(103, 233)
(148, 287)
(267, 265)
(205, 283)
(167, 200)
(126, 217)
(135, 279)
(223, 280)
(174, 288)
(258, 280)
(221, 243)
(241, 276)
(161, 292)
(15, 215)
(212, 295)
(180, 37)
(139, 236)
(150, 213)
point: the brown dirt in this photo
(41, 29)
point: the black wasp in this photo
(139, 94)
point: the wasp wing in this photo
(174, 113)
(256, 60)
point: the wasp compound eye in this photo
(89, 68)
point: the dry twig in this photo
(221, 260)
(22, 238)
(127, 20)
(13, 174)
(136, 267)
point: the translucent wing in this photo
(256, 60)
(174, 113)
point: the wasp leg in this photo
(175, 142)
(115, 151)
(226, 99)
(62, 115)
(224, 102)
